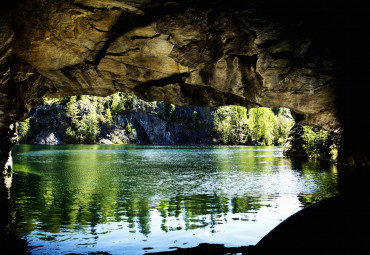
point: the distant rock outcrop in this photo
(145, 123)
(47, 138)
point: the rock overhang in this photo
(250, 53)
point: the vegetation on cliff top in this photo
(86, 119)
(116, 118)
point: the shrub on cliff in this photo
(316, 143)
(25, 133)
(108, 117)
(84, 126)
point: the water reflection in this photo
(80, 198)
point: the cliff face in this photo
(143, 123)
(149, 128)
(251, 53)
(123, 119)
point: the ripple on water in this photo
(148, 198)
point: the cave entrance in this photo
(159, 196)
(259, 53)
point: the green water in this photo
(134, 199)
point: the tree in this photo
(85, 128)
(108, 117)
(230, 124)
(118, 105)
(222, 126)
(128, 101)
(130, 132)
(282, 126)
(71, 109)
(261, 123)
(92, 126)
(24, 131)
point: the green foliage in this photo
(230, 124)
(100, 107)
(24, 131)
(108, 117)
(261, 124)
(129, 100)
(92, 124)
(221, 125)
(167, 111)
(120, 102)
(85, 128)
(117, 106)
(234, 124)
(172, 114)
(130, 132)
(280, 132)
(85, 115)
(334, 152)
(128, 128)
(315, 142)
(71, 109)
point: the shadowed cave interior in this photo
(310, 57)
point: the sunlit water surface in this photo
(133, 199)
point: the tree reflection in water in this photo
(71, 193)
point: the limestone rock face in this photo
(47, 138)
(183, 53)
(250, 53)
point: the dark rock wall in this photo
(156, 130)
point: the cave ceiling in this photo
(250, 53)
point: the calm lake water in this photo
(134, 199)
